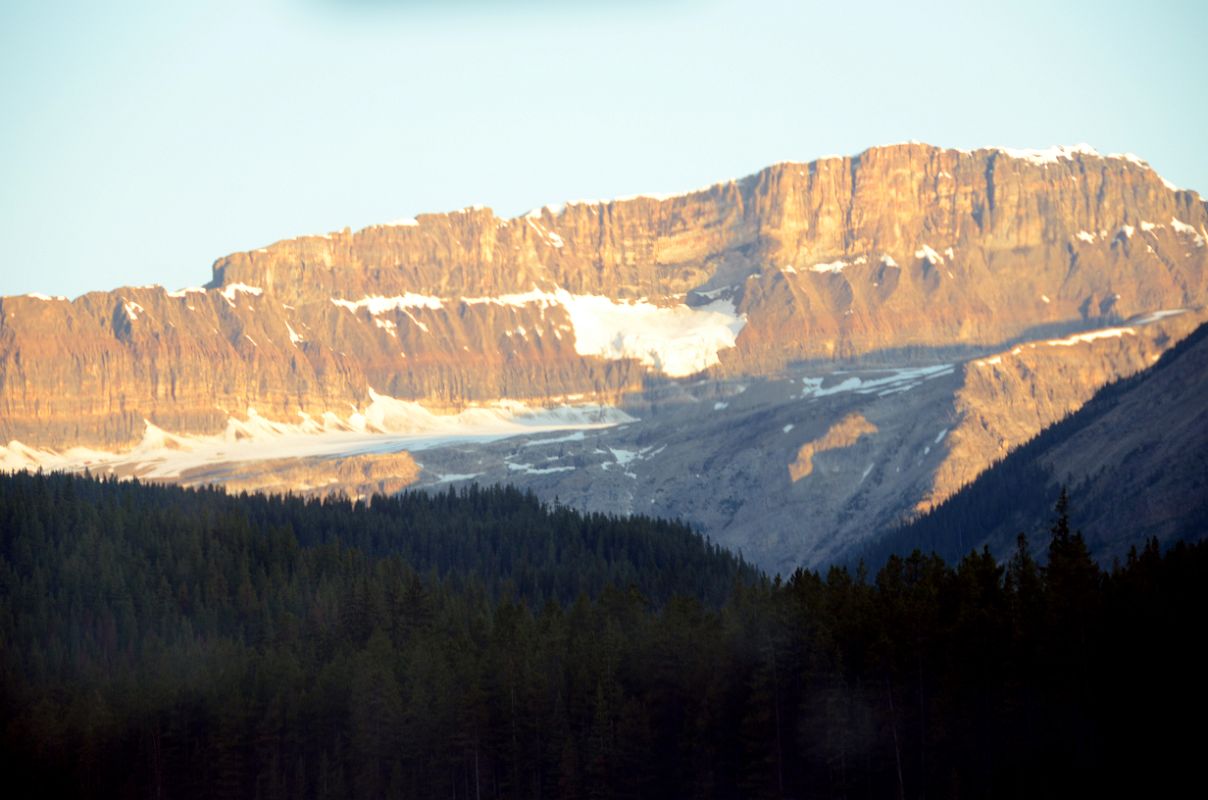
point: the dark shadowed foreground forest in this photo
(157, 642)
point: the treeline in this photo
(158, 642)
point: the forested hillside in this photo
(159, 642)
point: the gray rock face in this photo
(884, 443)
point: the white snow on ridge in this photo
(1090, 336)
(830, 266)
(1049, 155)
(40, 296)
(376, 304)
(132, 309)
(1154, 316)
(837, 266)
(229, 291)
(186, 291)
(518, 299)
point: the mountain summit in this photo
(901, 258)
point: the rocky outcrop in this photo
(1134, 461)
(899, 248)
(843, 433)
(355, 476)
(1007, 398)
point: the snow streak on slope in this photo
(879, 382)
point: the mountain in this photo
(695, 346)
(1134, 460)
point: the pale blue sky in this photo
(143, 139)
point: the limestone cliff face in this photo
(908, 246)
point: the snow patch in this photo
(1188, 230)
(186, 291)
(1090, 336)
(788, 427)
(1086, 236)
(928, 253)
(720, 406)
(837, 266)
(40, 296)
(376, 304)
(228, 292)
(1049, 155)
(1154, 316)
(678, 341)
(898, 380)
(1044, 298)
(623, 457)
(294, 337)
(529, 469)
(940, 436)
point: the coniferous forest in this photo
(157, 642)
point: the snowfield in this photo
(675, 340)
(385, 425)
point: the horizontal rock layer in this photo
(899, 248)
